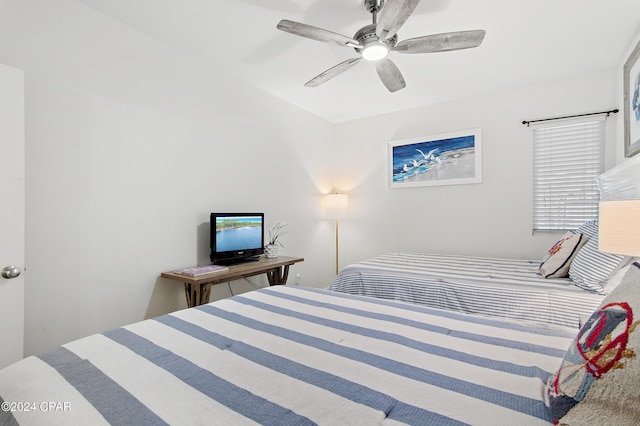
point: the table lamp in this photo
(619, 227)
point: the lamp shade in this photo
(619, 227)
(336, 205)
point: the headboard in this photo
(621, 182)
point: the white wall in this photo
(488, 219)
(129, 145)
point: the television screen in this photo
(238, 232)
(236, 237)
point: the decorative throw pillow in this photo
(597, 382)
(591, 268)
(556, 263)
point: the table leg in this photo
(197, 294)
(278, 276)
(205, 293)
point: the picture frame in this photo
(631, 83)
(452, 158)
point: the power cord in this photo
(251, 282)
(247, 280)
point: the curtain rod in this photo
(613, 111)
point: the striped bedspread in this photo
(498, 287)
(290, 355)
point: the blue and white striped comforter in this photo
(498, 287)
(290, 355)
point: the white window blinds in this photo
(567, 158)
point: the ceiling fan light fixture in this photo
(374, 41)
(375, 51)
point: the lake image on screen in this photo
(238, 233)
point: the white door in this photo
(12, 187)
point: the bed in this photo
(498, 287)
(292, 355)
(579, 278)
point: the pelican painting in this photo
(443, 159)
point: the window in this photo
(567, 158)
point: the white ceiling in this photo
(526, 42)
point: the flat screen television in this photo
(236, 237)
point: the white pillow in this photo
(592, 268)
(616, 278)
(558, 260)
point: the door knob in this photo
(10, 272)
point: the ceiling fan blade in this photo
(441, 42)
(390, 75)
(332, 72)
(315, 33)
(393, 15)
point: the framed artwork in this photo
(632, 103)
(446, 159)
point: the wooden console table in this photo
(198, 289)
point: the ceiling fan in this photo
(373, 42)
